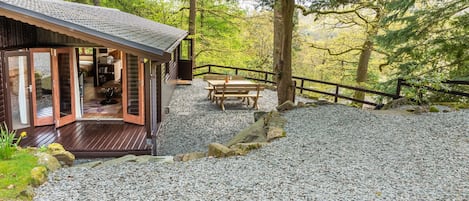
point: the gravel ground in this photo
(331, 152)
(194, 121)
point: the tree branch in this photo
(329, 51)
(306, 12)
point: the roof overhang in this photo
(84, 33)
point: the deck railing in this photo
(267, 77)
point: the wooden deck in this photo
(90, 139)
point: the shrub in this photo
(8, 145)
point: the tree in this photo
(431, 41)
(366, 14)
(192, 24)
(283, 29)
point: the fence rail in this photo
(267, 77)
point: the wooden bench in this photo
(223, 91)
(218, 77)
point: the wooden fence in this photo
(268, 77)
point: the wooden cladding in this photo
(2, 88)
(16, 34)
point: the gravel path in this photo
(331, 152)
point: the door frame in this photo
(6, 75)
(45, 120)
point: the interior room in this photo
(100, 83)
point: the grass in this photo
(15, 174)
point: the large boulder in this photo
(218, 150)
(273, 119)
(274, 133)
(38, 176)
(47, 160)
(65, 157)
(244, 148)
(253, 133)
(257, 132)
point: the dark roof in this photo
(107, 25)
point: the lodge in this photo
(95, 79)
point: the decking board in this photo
(87, 139)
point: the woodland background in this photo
(366, 43)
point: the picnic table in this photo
(220, 90)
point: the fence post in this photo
(209, 69)
(236, 71)
(294, 90)
(336, 93)
(398, 88)
(302, 86)
(266, 77)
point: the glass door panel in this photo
(64, 93)
(18, 87)
(42, 87)
(133, 90)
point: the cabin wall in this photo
(48, 38)
(15, 34)
(2, 90)
(169, 76)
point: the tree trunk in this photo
(192, 29)
(362, 70)
(192, 15)
(283, 29)
(365, 55)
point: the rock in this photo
(123, 159)
(259, 114)
(397, 103)
(92, 164)
(153, 159)
(218, 150)
(420, 109)
(433, 109)
(65, 158)
(47, 160)
(273, 119)
(38, 176)
(190, 156)
(287, 105)
(244, 148)
(253, 133)
(300, 104)
(55, 147)
(323, 102)
(274, 133)
(27, 194)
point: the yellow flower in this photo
(23, 134)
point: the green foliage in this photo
(428, 41)
(431, 39)
(15, 174)
(8, 145)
